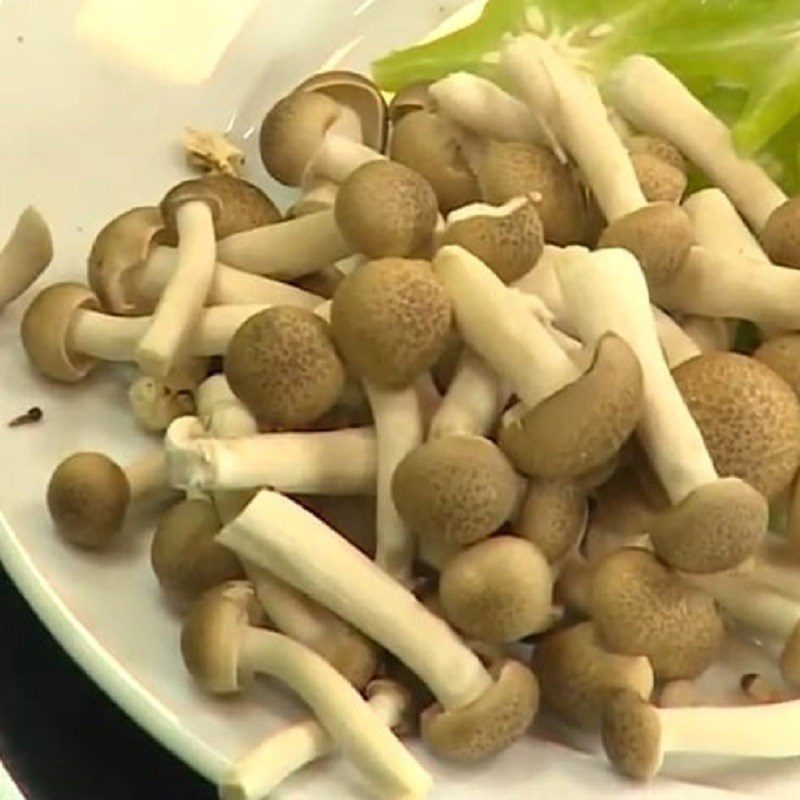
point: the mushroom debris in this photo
(493, 317)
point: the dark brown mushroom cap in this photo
(457, 489)
(428, 143)
(748, 415)
(716, 527)
(282, 364)
(782, 355)
(584, 424)
(659, 147)
(512, 169)
(781, 235)
(87, 496)
(490, 724)
(184, 555)
(386, 209)
(235, 204)
(631, 735)
(510, 245)
(391, 320)
(789, 661)
(414, 97)
(641, 608)
(122, 245)
(45, 331)
(660, 235)
(660, 181)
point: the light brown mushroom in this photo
(25, 255)
(661, 182)
(782, 355)
(659, 147)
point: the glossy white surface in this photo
(83, 139)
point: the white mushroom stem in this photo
(399, 429)
(324, 462)
(115, 338)
(284, 538)
(147, 473)
(288, 249)
(221, 411)
(677, 344)
(655, 101)
(428, 397)
(256, 774)
(708, 334)
(569, 102)
(606, 292)
(172, 325)
(338, 157)
(229, 286)
(25, 255)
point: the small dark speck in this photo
(20, 39)
(32, 415)
(79, 228)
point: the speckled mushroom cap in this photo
(781, 235)
(510, 244)
(716, 527)
(457, 489)
(647, 144)
(212, 633)
(413, 97)
(45, 331)
(235, 204)
(576, 674)
(499, 717)
(660, 235)
(282, 364)
(631, 735)
(184, 555)
(391, 320)
(660, 181)
(499, 590)
(122, 245)
(87, 496)
(553, 516)
(428, 143)
(748, 415)
(789, 661)
(782, 355)
(641, 608)
(511, 169)
(386, 209)
(584, 424)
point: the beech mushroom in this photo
(658, 147)
(714, 523)
(223, 650)
(88, 494)
(782, 355)
(25, 255)
(478, 712)
(64, 334)
(661, 182)
(641, 608)
(576, 674)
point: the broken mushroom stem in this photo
(25, 255)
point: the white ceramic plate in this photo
(84, 139)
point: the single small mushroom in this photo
(642, 608)
(478, 712)
(25, 255)
(223, 651)
(499, 590)
(661, 182)
(89, 494)
(576, 674)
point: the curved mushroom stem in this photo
(337, 157)
(270, 763)
(167, 336)
(654, 100)
(147, 473)
(25, 255)
(324, 462)
(676, 343)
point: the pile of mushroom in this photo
(520, 348)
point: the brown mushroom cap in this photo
(584, 424)
(122, 245)
(631, 734)
(512, 169)
(789, 661)
(716, 527)
(499, 590)
(184, 555)
(641, 608)
(282, 364)
(781, 235)
(429, 144)
(414, 97)
(385, 209)
(660, 181)
(45, 331)
(660, 235)
(576, 674)
(782, 355)
(510, 245)
(87, 496)
(646, 144)
(351, 653)
(499, 717)
(457, 489)
(748, 415)
(391, 320)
